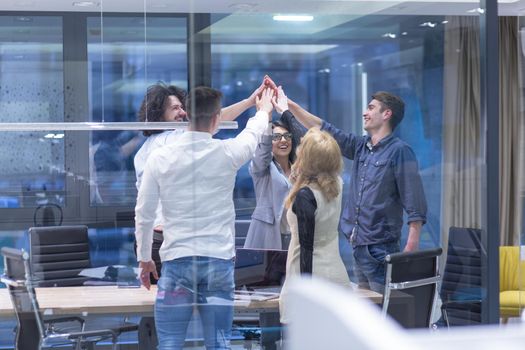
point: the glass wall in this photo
(32, 90)
(330, 62)
(330, 69)
(126, 55)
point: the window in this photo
(331, 66)
(126, 55)
(31, 90)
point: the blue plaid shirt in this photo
(384, 181)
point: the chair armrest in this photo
(65, 319)
(112, 332)
(95, 333)
(128, 327)
(459, 302)
(50, 322)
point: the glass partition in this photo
(331, 67)
(31, 90)
(330, 58)
(126, 55)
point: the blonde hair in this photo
(318, 163)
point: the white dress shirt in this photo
(194, 177)
(152, 143)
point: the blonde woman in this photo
(314, 206)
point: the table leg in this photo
(270, 330)
(147, 334)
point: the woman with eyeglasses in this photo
(270, 170)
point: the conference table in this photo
(115, 300)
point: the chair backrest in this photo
(461, 290)
(59, 254)
(125, 218)
(411, 286)
(257, 268)
(49, 214)
(17, 278)
(241, 230)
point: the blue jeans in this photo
(202, 282)
(369, 266)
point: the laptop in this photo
(260, 270)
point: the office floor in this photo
(236, 345)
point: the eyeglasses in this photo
(278, 136)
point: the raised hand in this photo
(270, 84)
(281, 103)
(264, 103)
(256, 92)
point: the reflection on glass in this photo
(331, 66)
(31, 90)
(127, 56)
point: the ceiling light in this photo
(444, 22)
(23, 19)
(428, 24)
(85, 3)
(293, 18)
(389, 35)
(404, 33)
(243, 7)
(478, 10)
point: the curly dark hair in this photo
(154, 104)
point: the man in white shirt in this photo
(166, 103)
(194, 179)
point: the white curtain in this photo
(512, 150)
(461, 200)
(462, 157)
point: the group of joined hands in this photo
(269, 96)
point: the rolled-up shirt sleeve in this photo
(410, 186)
(304, 207)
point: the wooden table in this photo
(107, 300)
(125, 301)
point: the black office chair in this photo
(461, 291)
(411, 287)
(49, 214)
(33, 332)
(241, 230)
(59, 254)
